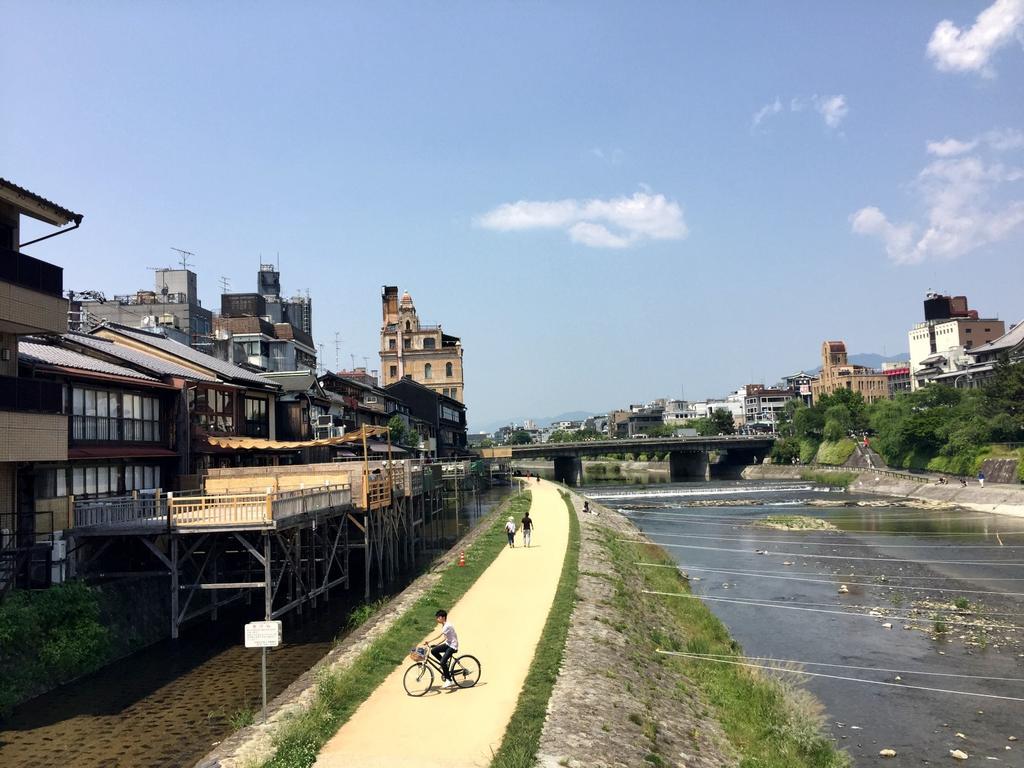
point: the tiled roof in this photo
(69, 215)
(1008, 340)
(150, 362)
(226, 370)
(47, 354)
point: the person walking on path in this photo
(527, 524)
(510, 529)
(444, 651)
(981, 479)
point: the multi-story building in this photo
(898, 374)
(984, 358)
(445, 416)
(424, 353)
(762, 405)
(172, 307)
(837, 373)
(263, 330)
(801, 382)
(939, 345)
(33, 427)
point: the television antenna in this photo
(184, 256)
(366, 361)
(353, 358)
(225, 284)
(337, 350)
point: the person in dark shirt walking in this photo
(527, 523)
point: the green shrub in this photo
(808, 450)
(836, 453)
(49, 637)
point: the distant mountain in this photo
(868, 360)
(542, 421)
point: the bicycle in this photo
(419, 677)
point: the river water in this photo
(906, 563)
(169, 704)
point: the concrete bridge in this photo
(689, 457)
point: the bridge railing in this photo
(118, 510)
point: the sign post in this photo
(263, 635)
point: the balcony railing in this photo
(24, 394)
(21, 269)
(107, 428)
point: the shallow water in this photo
(921, 554)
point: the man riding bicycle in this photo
(443, 652)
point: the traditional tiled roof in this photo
(223, 369)
(47, 354)
(152, 363)
(60, 210)
(1012, 338)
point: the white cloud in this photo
(965, 205)
(970, 50)
(766, 111)
(620, 222)
(833, 109)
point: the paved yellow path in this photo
(499, 620)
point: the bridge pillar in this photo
(688, 465)
(569, 470)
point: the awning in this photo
(261, 444)
(383, 448)
(121, 452)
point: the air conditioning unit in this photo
(325, 421)
(337, 431)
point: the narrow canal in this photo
(169, 704)
(906, 569)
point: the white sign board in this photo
(263, 634)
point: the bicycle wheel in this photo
(465, 671)
(418, 679)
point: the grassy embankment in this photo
(836, 453)
(340, 693)
(522, 737)
(770, 722)
(49, 637)
(969, 463)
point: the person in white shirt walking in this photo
(510, 529)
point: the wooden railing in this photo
(241, 510)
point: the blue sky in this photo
(608, 202)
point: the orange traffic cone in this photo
(462, 559)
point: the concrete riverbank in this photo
(997, 499)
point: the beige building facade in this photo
(948, 339)
(422, 352)
(837, 373)
(33, 427)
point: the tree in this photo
(399, 431)
(1004, 395)
(520, 437)
(722, 421)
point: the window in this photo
(393, 371)
(428, 371)
(104, 416)
(448, 370)
(408, 325)
(213, 409)
(429, 343)
(257, 423)
(51, 483)
(406, 343)
(391, 344)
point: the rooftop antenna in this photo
(365, 362)
(184, 256)
(337, 350)
(353, 357)
(225, 284)
(320, 359)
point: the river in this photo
(169, 704)
(907, 564)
